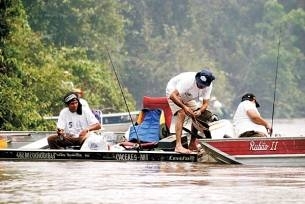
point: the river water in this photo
(153, 182)
(150, 182)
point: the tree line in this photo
(49, 47)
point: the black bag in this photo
(201, 122)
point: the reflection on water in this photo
(150, 182)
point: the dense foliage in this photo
(239, 40)
(49, 47)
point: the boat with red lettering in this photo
(269, 151)
(265, 151)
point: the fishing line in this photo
(122, 92)
(276, 73)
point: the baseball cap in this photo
(250, 97)
(204, 77)
(69, 97)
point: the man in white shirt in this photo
(247, 121)
(183, 92)
(80, 95)
(73, 125)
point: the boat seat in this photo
(161, 103)
(167, 143)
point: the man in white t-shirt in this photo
(80, 95)
(183, 92)
(73, 125)
(247, 121)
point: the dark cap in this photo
(69, 97)
(250, 97)
(204, 77)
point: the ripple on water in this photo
(148, 182)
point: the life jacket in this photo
(150, 126)
(98, 115)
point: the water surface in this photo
(153, 182)
(148, 182)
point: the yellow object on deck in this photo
(3, 142)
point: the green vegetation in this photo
(48, 46)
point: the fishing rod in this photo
(275, 78)
(125, 101)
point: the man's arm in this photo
(203, 107)
(257, 119)
(93, 123)
(176, 98)
(95, 126)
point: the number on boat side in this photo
(273, 145)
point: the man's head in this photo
(250, 97)
(71, 100)
(204, 78)
(79, 92)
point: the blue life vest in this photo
(149, 129)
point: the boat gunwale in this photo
(252, 138)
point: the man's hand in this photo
(269, 129)
(83, 132)
(189, 112)
(60, 132)
(197, 113)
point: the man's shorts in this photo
(174, 108)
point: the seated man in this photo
(73, 125)
(247, 121)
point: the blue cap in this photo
(204, 77)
